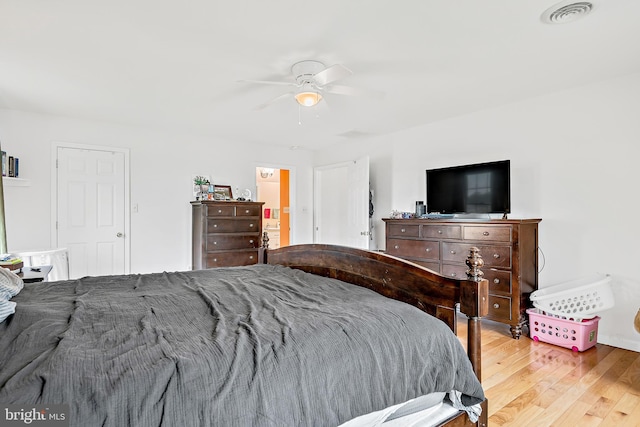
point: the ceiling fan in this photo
(311, 80)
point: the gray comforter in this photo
(246, 346)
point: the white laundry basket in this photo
(576, 299)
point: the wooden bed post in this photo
(262, 250)
(474, 302)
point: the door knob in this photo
(119, 234)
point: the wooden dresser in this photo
(225, 234)
(509, 249)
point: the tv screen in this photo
(479, 188)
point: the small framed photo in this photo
(223, 192)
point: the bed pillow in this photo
(10, 283)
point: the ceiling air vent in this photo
(566, 12)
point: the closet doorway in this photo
(272, 187)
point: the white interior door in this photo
(341, 198)
(91, 210)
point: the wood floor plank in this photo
(513, 416)
(611, 366)
(537, 384)
(624, 412)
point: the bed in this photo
(289, 341)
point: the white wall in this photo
(162, 166)
(574, 158)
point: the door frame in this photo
(293, 218)
(127, 193)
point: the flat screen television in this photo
(482, 188)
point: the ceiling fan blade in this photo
(268, 82)
(343, 90)
(331, 74)
(276, 99)
(352, 91)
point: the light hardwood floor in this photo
(532, 383)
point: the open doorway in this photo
(272, 187)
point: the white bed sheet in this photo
(429, 417)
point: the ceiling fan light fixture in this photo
(308, 98)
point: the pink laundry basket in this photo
(553, 329)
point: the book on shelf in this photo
(10, 166)
(4, 163)
(16, 169)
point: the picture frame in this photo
(223, 192)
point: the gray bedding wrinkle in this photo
(244, 346)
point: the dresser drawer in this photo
(403, 230)
(423, 249)
(456, 271)
(493, 256)
(499, 281)
(248, 210)
(221, 210)
(231, 259)
(442, 231)
(494, 234)
(238, 225)
(217, 242)
(433, 266)
(500, 307)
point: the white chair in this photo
(58, 258)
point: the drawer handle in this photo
(215, 260)
(247, 211)
(485, 233)
(219, 210)
(215, 225)
(215, 243)
(496, 256)
(396, 247)
(496, 281)
(250, 225)
(402, 230)
(439, 231)
(251, 241)
(453, 252)
(428, 249)
(251, 257)
(453, 274)
(496, 305)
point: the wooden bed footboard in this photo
(398, 279)
(401, 280)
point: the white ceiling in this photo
(176, 65)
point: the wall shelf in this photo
(15, 182)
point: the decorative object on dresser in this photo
(223, 192)
(225, 233)
(201, 187)
(509, 249)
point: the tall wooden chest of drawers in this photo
(509, 249)
(225, 233)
